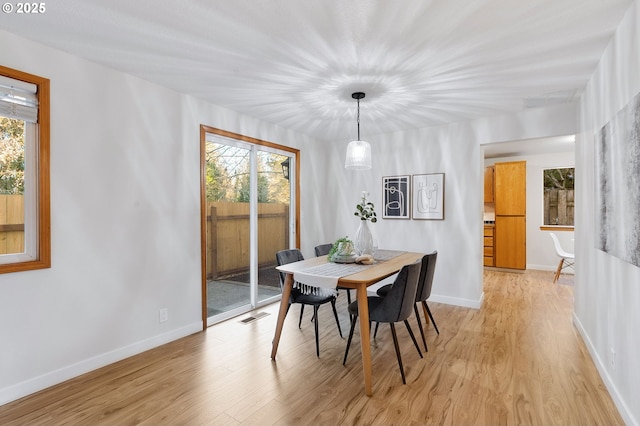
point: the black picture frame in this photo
(396, 199)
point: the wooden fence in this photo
(228, 236)
(558, 207)
(11, 224)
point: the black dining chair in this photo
(284, 257)
(323, 250)
(394, 307)
(424, 292)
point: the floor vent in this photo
(255, 317)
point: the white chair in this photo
(566, 259)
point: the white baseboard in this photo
(55, 377)
(455, 301)
(569, 271)
(604, 374)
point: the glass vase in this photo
(364, 240)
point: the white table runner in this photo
(317, 279)
(327, 274)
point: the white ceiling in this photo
(295, 63)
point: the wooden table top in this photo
(376, 272)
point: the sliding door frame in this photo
(204, 129)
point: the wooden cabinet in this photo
(511, 205)
(510, 242)
(511, 188)
(488, 184)
(488, 246)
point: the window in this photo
(558, 193)
(25, 241)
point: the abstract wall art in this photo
(428, 196)
(395, 196)
(618, 185)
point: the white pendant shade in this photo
(358, 155)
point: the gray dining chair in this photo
(323, 250)
(396, 306)
(284, 257)
(422, 294)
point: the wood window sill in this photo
(557, 228)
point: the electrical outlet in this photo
(163, 315)
(613, 359)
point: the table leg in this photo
(426, 315)
(365, 339)
(284, 307)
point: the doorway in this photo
(539, 154)
(249, 212)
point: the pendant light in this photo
(358, 152)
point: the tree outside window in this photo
(11, 156)
(228, 176)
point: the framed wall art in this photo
(396, 197)
(617, 159)
(428, 196)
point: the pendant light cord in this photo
(357, 96)
(358, 119)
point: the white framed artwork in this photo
(428, 196)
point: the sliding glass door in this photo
(275, 173)
(249, 217)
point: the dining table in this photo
(352, 276)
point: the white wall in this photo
(125, 221)
(607, 293)
(540, 252)
(457, 238)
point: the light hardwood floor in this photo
(518, 360)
